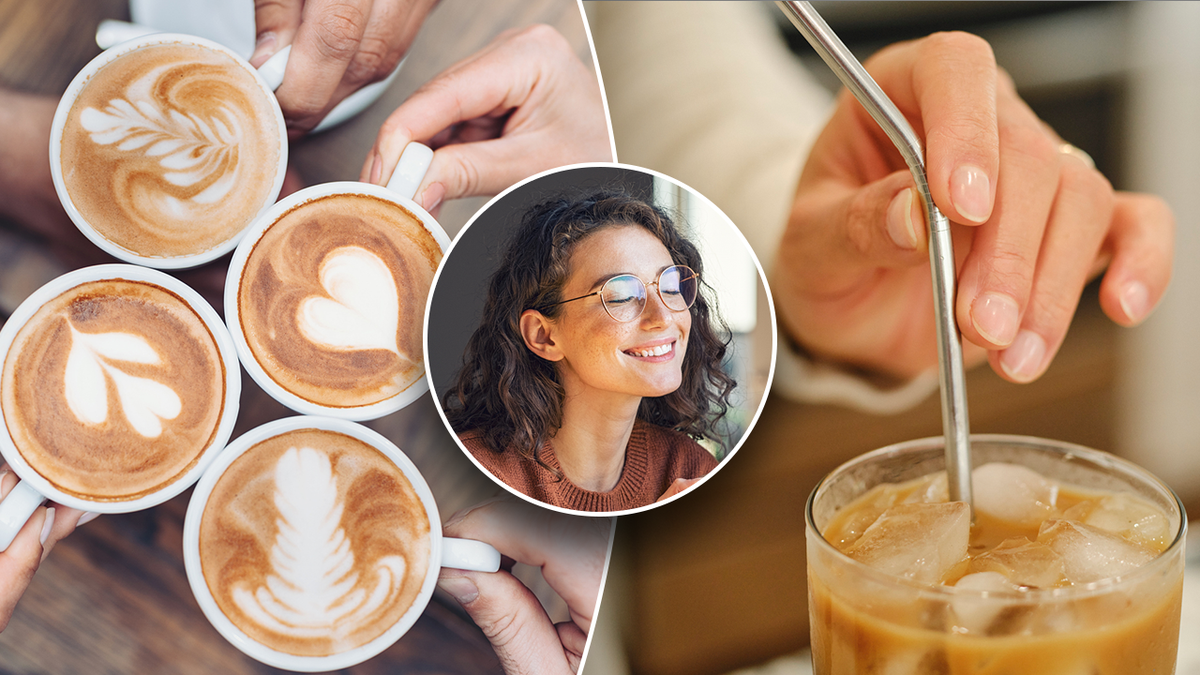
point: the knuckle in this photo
(1029, 140)
(861, 217)
(544, 35)
(339, 31)
(964, 46)
(372, 61)
(1010, 269)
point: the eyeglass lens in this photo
(624, 296)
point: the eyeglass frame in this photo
(657, 283)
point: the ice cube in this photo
(1089, 553)
(974, 613)
(916, 541)
(1127, 515)
(1023, 562)
(935, 490)
(851, 522)
(1013, 493)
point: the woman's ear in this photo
(538, 333)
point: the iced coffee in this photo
(1072, 563)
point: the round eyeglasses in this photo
(624, 296)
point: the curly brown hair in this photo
(512, 396)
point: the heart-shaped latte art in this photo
(362, 309)
(144, 402)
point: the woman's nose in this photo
(656, 312)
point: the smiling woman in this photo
(599, 359)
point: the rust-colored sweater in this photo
(654, 457)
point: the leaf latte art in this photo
(170, 150)
(112, 390)
(313, 543)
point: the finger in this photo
(1141, 245)
(571, 550)
(275, 24)
(66, 519)
(389, 33)
(326, 41)
(491, 82)
(948, 82)
(574, 641)
(997, 275)
(511, 618)
(880, 224)
(1078, 222)
(19, 562)
(678, 485)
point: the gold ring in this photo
(1068, 149)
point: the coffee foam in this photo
(314, 543)
(113, 390)
(170, 150)
(332, 299)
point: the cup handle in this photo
(16, 509)
(111, 32)
(469, 554)
(414, 163)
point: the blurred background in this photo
(714, 583)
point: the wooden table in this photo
(113, 597)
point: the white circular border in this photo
(195, 574)
(233, 284)
(761, 276)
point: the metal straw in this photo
(941, 251)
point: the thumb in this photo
(481, 168)
(509, 614)
(275, 24)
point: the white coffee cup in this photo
(33, 489)
(443, 551)
(413, 164)
(268, 78)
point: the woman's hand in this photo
(570, 550)
(1033, 222)
(32, 544)
(523, 104)
(337, 47)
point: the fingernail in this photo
(432, 196)
(376, 169)
(900, 224)
(461, 589)
(87, 517)
(47, 526)
(971, 192)
(1023, 360)
(1135, 301)
(996, 317)
(264, 48)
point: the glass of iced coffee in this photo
(1073, 564)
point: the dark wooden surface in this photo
(113, 597)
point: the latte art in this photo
(170, 150)
(332, 299)
(113, 390)
(314, 543)
(144, 401)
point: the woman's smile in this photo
(656, 351)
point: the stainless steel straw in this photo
(941, 252)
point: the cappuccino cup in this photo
(166, 147)
(117, 387)
(313, 544)
(325, 296)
